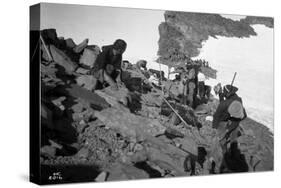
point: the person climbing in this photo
(228, 115)
(107, 69)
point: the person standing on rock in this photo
(201, 85)
(191, 87)
(218, 91)
(228, 115)
(107, 68)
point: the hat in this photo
(120, 44)
(229, 90)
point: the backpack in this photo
(236, 110)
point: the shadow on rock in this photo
(53, 174)
(234, 160)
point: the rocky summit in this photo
(133, 133)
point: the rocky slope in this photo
(124, 134)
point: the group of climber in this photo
(109, 66)
(193, 90)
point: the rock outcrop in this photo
(185, 32)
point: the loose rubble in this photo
(130, 133)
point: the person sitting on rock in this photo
(109, 62)
(228, 115)
(126, 65)
(141, 65)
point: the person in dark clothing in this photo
(227, 118)
(234, 160)
(108, 63)
(228, 115)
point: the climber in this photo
(218, 91)
(191, 87)
(228, 115)
(201, 85)
(126, 65)
(141, 65)
(107, 68)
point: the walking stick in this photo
(233, 78)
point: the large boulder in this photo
(92, 99)
(166, 156)
(70, 43)
(115, 97)
(87, 81)
(63, 60)
(89, 56)
(80, 47)
(135, 128)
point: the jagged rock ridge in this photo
(185, 32)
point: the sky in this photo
(251, 58)
(103, 25)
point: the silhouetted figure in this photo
(234, 160)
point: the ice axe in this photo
(233, 79)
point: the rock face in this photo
(185, 32)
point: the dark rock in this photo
(172, 133)
(70, 43)
(94, 100)
(185, 32)
(50, 36)
(46, 116)
(184, 111)
(62, 59)
(120, 171)
(81, 46)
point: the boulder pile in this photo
(128, 133)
